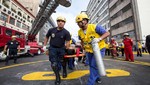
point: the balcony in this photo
(119, 7)
(123, 29)
(112, 3)
(122, 17)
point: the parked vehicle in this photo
(26, 46)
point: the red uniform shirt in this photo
(128, 42)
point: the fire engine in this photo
(28, 44)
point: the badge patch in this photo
(62, 36)
(53, 35)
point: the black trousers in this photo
(122, 51)
(12, 53)
(107, 52)
(139, 52)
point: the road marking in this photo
(73, 75)
(142, 53)
(117, 73)
(51, 76)
(11, 66)
(136, 62)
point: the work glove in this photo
(4, 51)
(19, 51)
(96, 40)
(44, 48)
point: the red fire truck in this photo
(26, 47)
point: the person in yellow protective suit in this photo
(139, 49)
(86, 34)
(122, 48)
(107, 52)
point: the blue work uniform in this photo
(12, 46)
(91, 60)
(57, 50)
(57, 44)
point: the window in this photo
(19, 13)
(12, 21)
(131, 34)
(18, 35)
(24, 15)
(6, 3)
(8, 32)
(23, 26)
(4, 17)
(13, 7)
(28, 19)
(18, 24)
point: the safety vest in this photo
(139, 45)
(107, 46)
(71, 41)
(122, 46)
(87, 38)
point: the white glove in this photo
(44, 48)
(96, 40)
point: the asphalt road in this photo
(37, 71)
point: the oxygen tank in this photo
(99, 60)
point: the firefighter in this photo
(107, 52)
(86, 34)
(122, 48)
(59, 36)
(113, 45)
(139, 49)
(71, 52)
(128, 43)
(13, 47)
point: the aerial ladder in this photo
(47, 8)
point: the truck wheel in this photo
(39, 52)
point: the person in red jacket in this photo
(128, 43)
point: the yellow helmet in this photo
(81, 16)
(61, 18)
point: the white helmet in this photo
(126, 34)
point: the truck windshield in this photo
(8, 32)
(19, 35)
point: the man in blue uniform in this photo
(59, 36)
(86, 34)
(13, 47)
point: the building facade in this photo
(14, 15)
(124, 18)
(31, 5)
(98, 12)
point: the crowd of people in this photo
(127, 47)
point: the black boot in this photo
(58, 79)
(98, 80)
(64, 72)
(15, 61)
(6, 63)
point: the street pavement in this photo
(37, 71)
